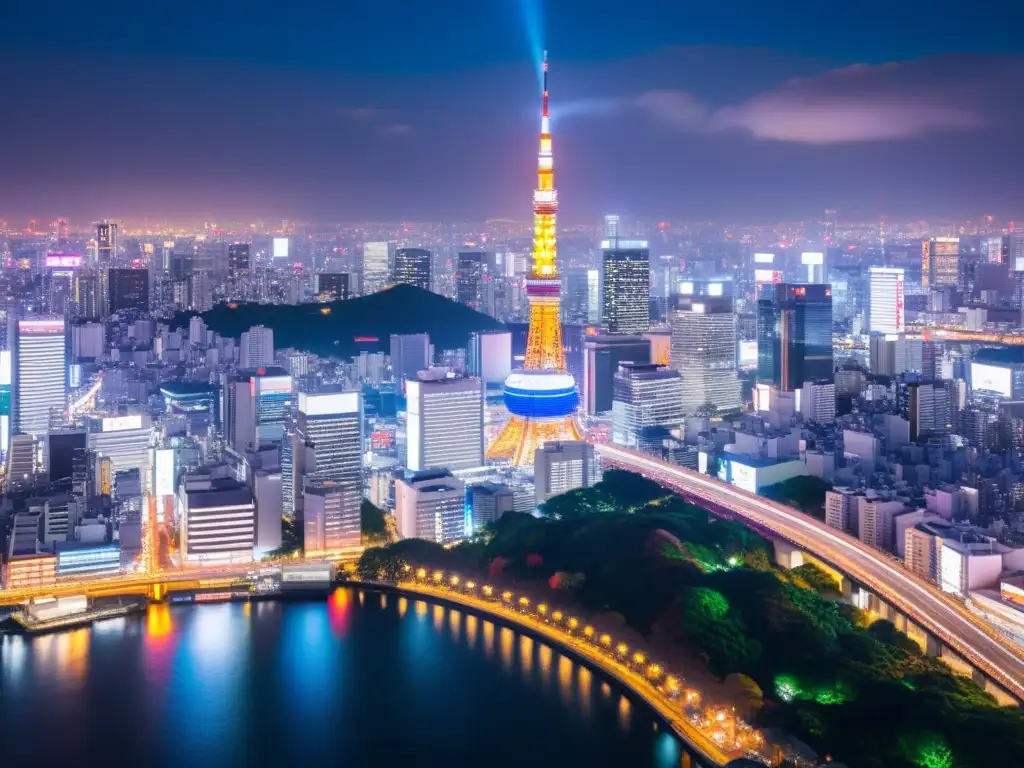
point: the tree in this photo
(805, 492)
(708, 410)
(747, 695)
(378, 527)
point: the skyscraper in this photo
(410, 354)
(794, 335)
(703, 350)
(542, 398)
(469, 279)
(445, 422)
(331, 517)
(560, 467)
(940, 262)
(431, 505)
(886, 300)
(328, 444)
(375, 266)
(648, 401)
(626, 286)
(331, 286)
(412, 266)
(129, 289)
(238, 260)
(256, 348)
(106, 243)
(40, 373)
(601, 358)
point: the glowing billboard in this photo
(992, 378)
(121, 423)
(767, 276)
(744, 477)
(281, 247)
(747, 354)
(329, 404)
(812, 258)
(764, 258)
(63, 261)
(163, 471)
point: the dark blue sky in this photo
(404, 108)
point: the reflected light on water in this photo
(625, 709)
(339, 611)
(488, 639)
(403, 607)
(565, 686)
(584, 678)
(506, 640)
(545, 655)
(455, 624)
(73, 653)
(438, 614)
(526, 654)
(421, 608)
(471, 627)
(159, 625)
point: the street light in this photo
(421, 573)
(556, 616)
(622, 649)
(542, 609)
(506, 596)
(573, 623)
(455, 581)
(470, 585)
(488, 590)
(606, 641)
(588, 632)
(524, 602)
(438, 575)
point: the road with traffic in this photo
(924, 603)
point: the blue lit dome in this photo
(541, 394)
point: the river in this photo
(356, 679)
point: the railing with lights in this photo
(713, 729)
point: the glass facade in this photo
(626, 290)
(412, 266)
(794, 335)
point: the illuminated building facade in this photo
(626, 286)
(703, 350)
(648, 400)
(331, 520)
(940, 262)
(542, 398)
(412, 266)
(794, 335)
(375, 266)
(238, 260)
(445, 423)
(107, 235)
(129, 289)
(40, 373)
(331, 286)
(886, 313)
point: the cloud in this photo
(396, 130)
(859, 103)
(364, 113)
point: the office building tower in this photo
(489, 356)
(218, 521)
(626, 286)
(543, 397)
(39, 375)
(470, 279)
(410, 354)
(940, 263)
(331, 517)
(576, 295)
(927, 406)
(376, 263)
(328, 442)
(107, 236)
(816, 402)
(876, 522)
(489, 502)
(261, 409)
(814, 266)
(561, 466)
(445, 427)
(412, 266)
(129, 290)
(842, 510)
(256, 348)
(794, 335)
(703, 351)
(331, 286)
(85, 293)
(431, 505)
(66, 459)
(238, 261)
(602, 356)
(886, 300)
(123, 441)
(648, 400)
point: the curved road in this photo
(924, 603)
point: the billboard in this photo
(764, 258)
(747, 354)
(767, 276)
(715, 289)
(816, 259)
(121, 423)
(281, 247)
(329, 404)
(163, 471)
(744, 477)
(992, 378)
(63, 261)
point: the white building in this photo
(40, 373)
(375, 266)
(644, 397)
(842, 510)
(490, 356)
(256, 348)
(445, 426)
(218, 521)
(331, 517)
(703, 351)
(125, 440)
(269, 509)
(327, 445)
(561, 466)
(431, 505)
(410, 354)
(875, 519)
(886, 292)
(817, 402)
(88, 340)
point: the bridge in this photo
(946, 624)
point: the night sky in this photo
(676, 109)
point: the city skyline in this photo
(663, 113)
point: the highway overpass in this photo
(940, 616)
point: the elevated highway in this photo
(938, 614)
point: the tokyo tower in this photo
(542, 397)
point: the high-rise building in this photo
(794, 335)
(256, 348)
(562, 466)
(129, 289)
(218, 521)
(489, 501)
(542, 398)
(601, 358)
(124, 442)
(328, 443)
(842, 510)
(940, 262)
(106, 243)
(238, 260)
(445, 422)
(703, 351)
(886, 300)
(39, 373)
(431, 505)
(331, 286)
(626, 286)
(648, 400)
(87, 296)
(375, 266)
(410, 354)
(814, 263)
(412, 266)
(331, 517)
(261, 408)
(489, 356)
(469, 279)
